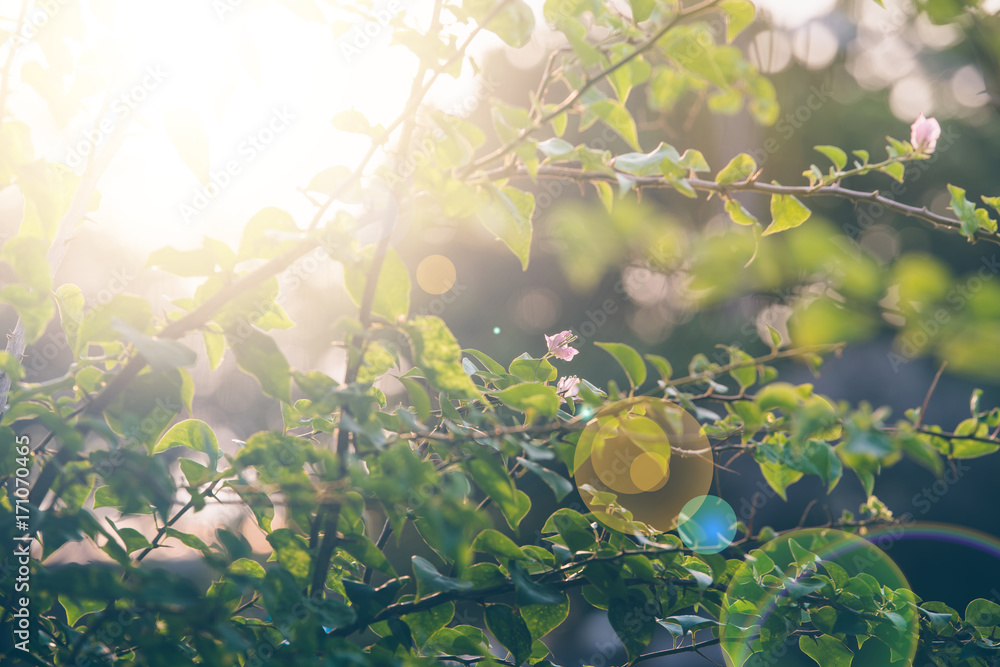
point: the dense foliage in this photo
(350, 468)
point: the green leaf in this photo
(641, 9)
(982, 613)
(968, 448)
(739, 168)
(495, 543)
(664, 160)
(270, 232)
(485, 575)
(531, 398)
(258, 355)
(680, 626)
(352, 121)
(292, 553)
(75, 610)
(98, 324)
(33, 306)
(424, 624)
(738, 214)
(533, 370)
(195, 473)
(189, 540)
(26, 255)
(193, 434)
(694, 160)
(572, 527)
(542, 619)
(661, 365)
(439, 356)
(460, 640)
(972, 219)
(491, 365)
(215, 348)
(367, 553)
(429, 580)
(606, 194)
(513, 23)
(823, 461)
(786, 212)
(556, 148)
(509, 217)
(747, 374)
(896, 170)
(827, 651)
(779, 477)
(629, 359)
(631, 622)
(133, 539)
(491, 476)
(530, 592)
(419, 398)
(510, 630)
(560, 486)
(739, 15)
(244, 567)
(614, 114)
(162, 354)
(836, 155)
(993, 202)
(693, 48)
(392, 292)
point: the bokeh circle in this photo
(831, 564)
(707, 524)
(436, 274)
(639, 461)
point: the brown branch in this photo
(857, 196)
(927, 398)
(328, 514)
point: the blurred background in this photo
(665, 275)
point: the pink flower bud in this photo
(924, 134)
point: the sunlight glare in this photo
(241, 119)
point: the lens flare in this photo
(792, 566)
(639, 461)
(707, 524)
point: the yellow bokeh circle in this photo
(436, 274)
(639, 461)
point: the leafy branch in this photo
(856, 196)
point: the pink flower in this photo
(924, 134)
(568, 387)
(559, 345)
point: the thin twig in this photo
(857, 196)
(927, 398)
